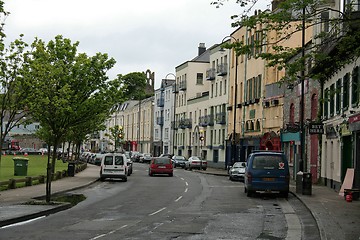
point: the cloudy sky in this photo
(139, 34)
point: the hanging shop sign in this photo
(316, 128)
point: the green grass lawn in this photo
(36, 166)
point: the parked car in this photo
(133, 155)
(30, 151)
(267, 171)
(237, 171)
(114, 165)
(195, 162)
(129, 163)
(97, 159)
(161, 165)
(179, 161)
(145, 158)
(43, 150)
(168, 155)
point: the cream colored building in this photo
(259, 108)
(200, 126)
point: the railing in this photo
(222, 69)
(185, 123)
(221, 118)
(160, 102)
(33, 180)
(210, 74)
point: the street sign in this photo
(316, 128)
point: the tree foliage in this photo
(133, 85)
(12, 96)
(332, 45)
(67, 89)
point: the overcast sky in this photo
(139, 34)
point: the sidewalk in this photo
(336, 218)
(12, 209)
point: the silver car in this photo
(237, 171)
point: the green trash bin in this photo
(20, 166)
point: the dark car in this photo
(267, 171)
(179, 161)
(161, 165)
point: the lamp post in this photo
(233, 143)
(174, 108)
(302, 128)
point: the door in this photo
(314, 145)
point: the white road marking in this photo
(186, 183)
(99, 236)
(22, 223)
(186, 189)
(178, 198)
(162, 209)
(292, 220)
(182, 179)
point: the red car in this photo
(161, 165)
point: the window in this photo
(326, 103)
(220, 91)
(354, 87)
(338, 95)
(119, 160)
(332, 99)
(108, 160)
(325, 22)
(292, 113)
(346, 91)
(199, 78)
(225, 86)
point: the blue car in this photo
(267, 171)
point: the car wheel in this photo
(245, 190)
(125, 179)
(150, 174)
(170, 174)
(249, 193)
(230, 178)
(102, 179)
(204, 169)
(285, 194)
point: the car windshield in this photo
(239, 165)
(179, 158)
(147, 155)
(108, 160)
(266, 162)
(195, 158)
(119, 160)
(162, 161)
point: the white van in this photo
(114, 165)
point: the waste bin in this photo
(299, 182)
(307, 184)
(71, 169)
(20, 166)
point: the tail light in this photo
(249, 177)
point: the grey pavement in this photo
(336, 218)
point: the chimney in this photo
(201, 48)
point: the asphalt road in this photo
(189, 205)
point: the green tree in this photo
(66, 89)
(13, 111)
(133, 85)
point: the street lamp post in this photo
(233, 143)
(174, 112)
